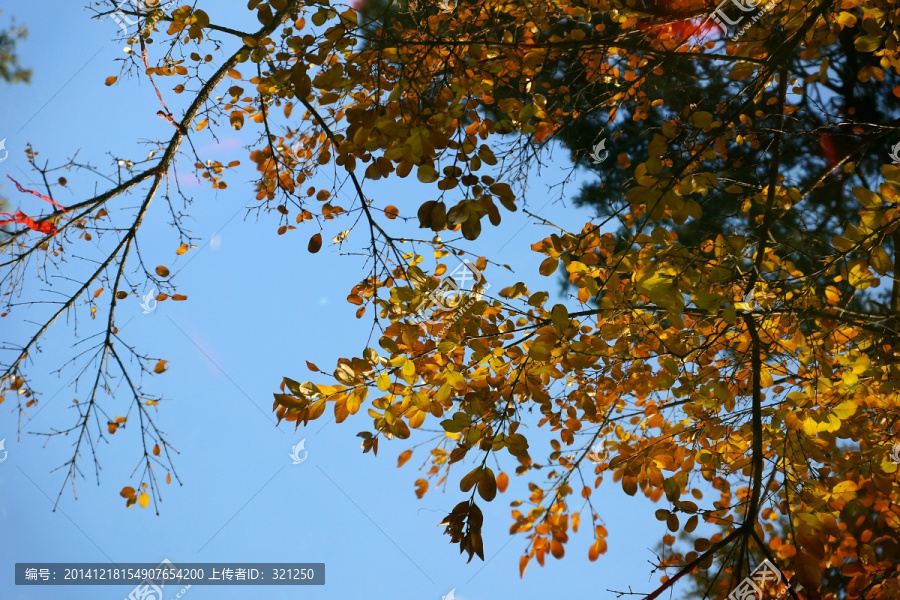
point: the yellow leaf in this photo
(144, 500)
(846, 19)
(560, 317)
(844, 487)
(866, 197)
(539, 352)
(845, 491)
(181, 249)
(408, 371)
(353, 402)
(383, 381)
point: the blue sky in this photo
(259, 307)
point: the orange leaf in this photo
(160, 366)
(127, 492)
(597, 548)
(421, 488)
(548, 266)
(404, 456)
(523, 564)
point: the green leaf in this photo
(427, 174)
(471, 478)
(671, 488)
(487, 485)
(867, 43)
(701, 119)
(320, 17)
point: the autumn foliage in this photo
(744, 377)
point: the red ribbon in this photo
(45, 227)
(23, 219)
(41, 196)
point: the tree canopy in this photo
(10, 69)
(728, 345)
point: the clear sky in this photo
(259, 306)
